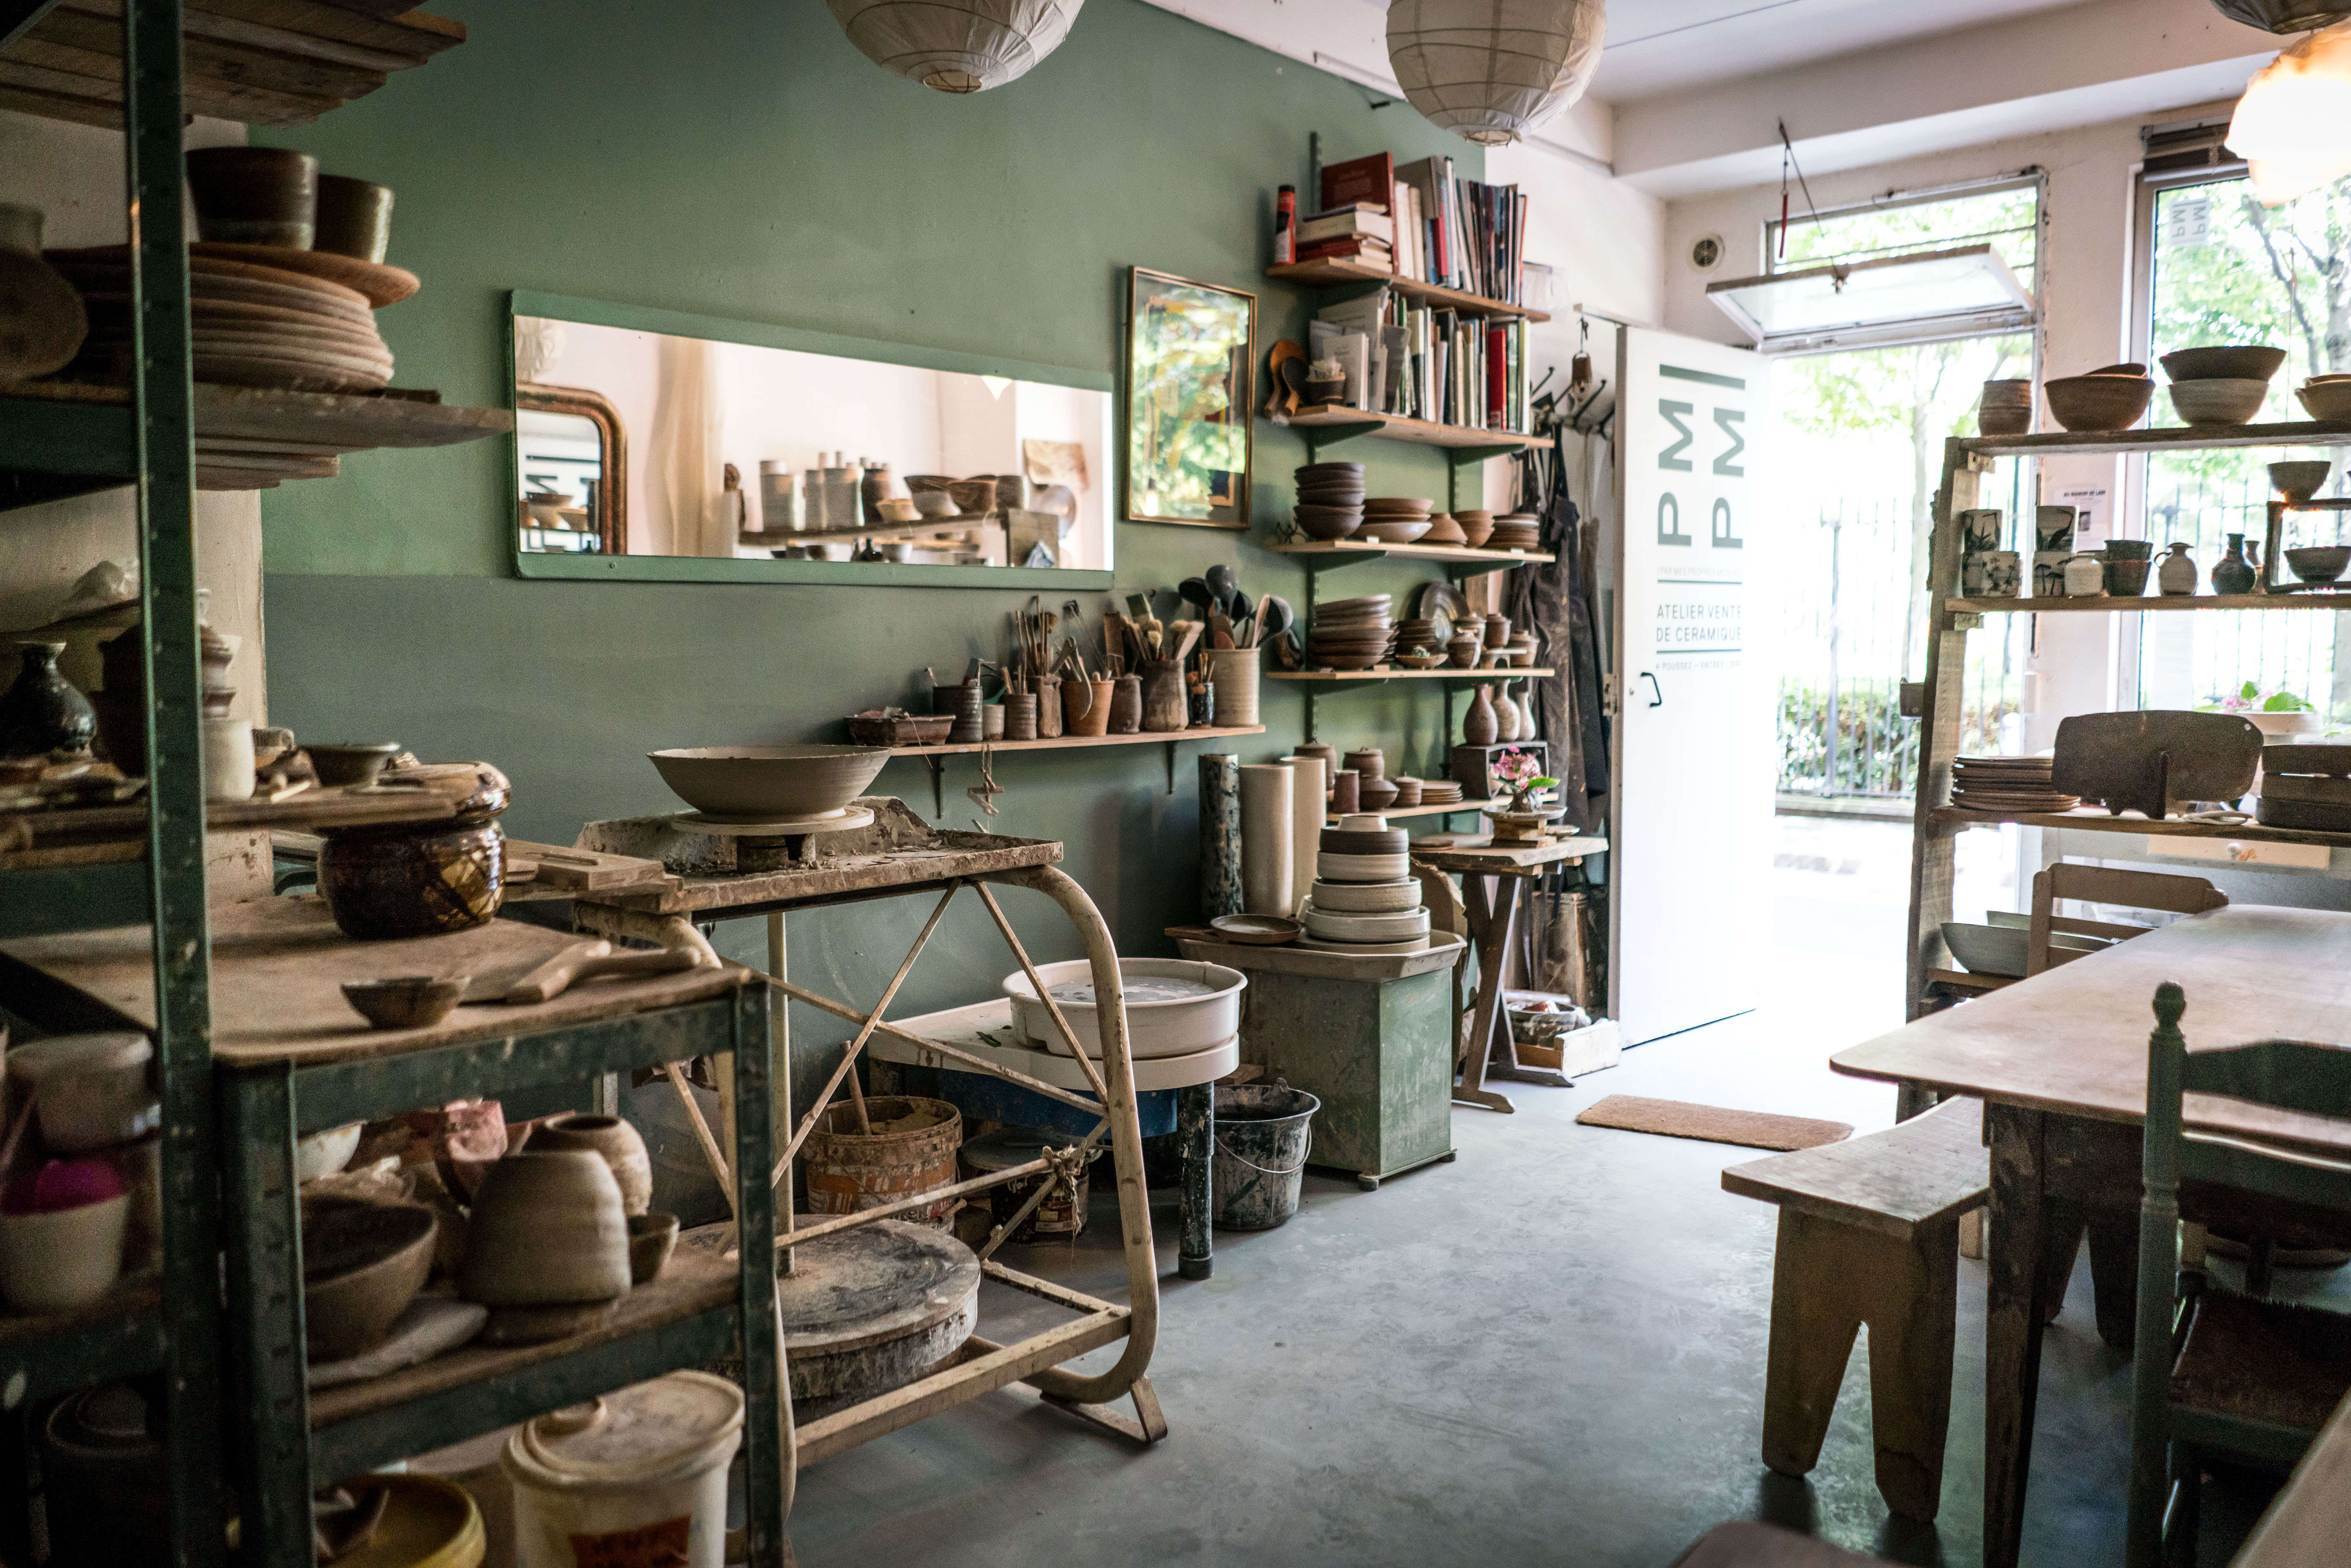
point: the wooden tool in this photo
(1220, 630)
(581, 961)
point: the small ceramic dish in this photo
(405, 1001)
(351, 763)
(1393, 533)
(1258, 930)
(1367, 949)
(1420, 659)
(2319, 563)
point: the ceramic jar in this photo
(1085, 707)
(1506, 713)
(965, 702)
(42, 712)
(1370, 762)
(1376, 794)
(1498, 632)
(1346, 791)
(2232, 573)
(89, 1091)
(1480, 725)
(1049, 707)
(2085, 577)
(549, 1230)
(1163, 705)
(1020, 715)
(42, 322)
(228, 758)
(615, 1141)
(1233, 673)
(409, 880)
(1126, 705)
(1461, 652)
(2176, 576)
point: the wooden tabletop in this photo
(1487, 858)
(279, 966)
(2074, 1040)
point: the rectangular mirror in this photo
(1190, 352)
(652, 443)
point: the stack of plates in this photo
(1350, 633)
(1520, 530)
(2007, 784)
(1364, 899)
(250, 325)
(1444, 530)
(1439, 791)
(1329, 499)
(1395, 519)
(1417, 633)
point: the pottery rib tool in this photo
(1220, 630)
(549, 977)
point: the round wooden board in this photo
(380, 284)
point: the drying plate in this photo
(1258, 930)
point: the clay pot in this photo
(2098, 402)
(1330, 756)
(1126, 705)
(1163, 708)
(392, 882)
(255, 195)
(42, 322)
(1376, 794)
(1462, 652)
(1020, 715)
(1049, 707)
(1498, 631)
(651, 1237)
(1370, 762)
(1346, 791)
(1085, 707)
(354, 217)
(619, 1145)
(549, 1230)
(1480, 725)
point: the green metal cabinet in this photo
(1369, 1036)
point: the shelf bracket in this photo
(938, 764)
(1171, 768)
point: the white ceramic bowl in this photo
(1365, 897)
(1399, 926)
(92, 1089)
(324, 1154)
(1362, 868)
(63, 1259)
(1364, 822)
(1174, 1006)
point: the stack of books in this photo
(1430, 364)
(1421, 222)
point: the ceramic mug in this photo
(1979, 530)
(1993, 574)
(2085, 577)
(2049, 573)
(2053, 528)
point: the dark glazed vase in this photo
(2232, 573)
(405, 880)
(42, 712)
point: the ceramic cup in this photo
(1020, 707)
(1346, 791)
(2126, 575)
(354, 218)
(1993, 574)
(2049, 573)
(1085, 707)
(1980, 529)
(228, 758)
(255, 195)
(2052, 528)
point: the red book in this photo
(1498, 377)
(1371, 179)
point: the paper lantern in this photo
(2292, 127)
(2282, 15)
(1491, 71)
(957, 46)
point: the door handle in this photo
(1657, 692)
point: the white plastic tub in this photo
(1174, 1006)
(636, 1476)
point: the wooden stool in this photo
(1869, 1233)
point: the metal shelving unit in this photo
(1965, 460)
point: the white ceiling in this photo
(1663, 46)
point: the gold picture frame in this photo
(1191, 354)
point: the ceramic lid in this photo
(634, 1431)
(72, 1055)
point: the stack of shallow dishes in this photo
(1418, 631)
(2223, 386)
(1444, 530)
(1407, 791)
(1476, 527)
(1329, 499)
(1350, 633)
(1395, 519)
(1439, 792)
(250, 325)
(2007, 784)
(1520, 530)
(1364, 899)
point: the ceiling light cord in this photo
(1788, 161)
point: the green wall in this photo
(738, 158)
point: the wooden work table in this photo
(2060, 1061)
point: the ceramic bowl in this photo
(618, 1143)
(774, 782)
(899, 509)
(2099, 402)
(1175, 1007)
(933, 503)
(351, 763)
(405, 1001)
(89, 1091)
(2327, 401)
(1476, 528)
(61, 1258)
(362, 1263)
(412, 880)
(2219, 402)
(547, 1229)
(1463, 650)
(2244, 362)
(2319, 563)
(1377, 794)
(255, 195)
(2300, 480)
(1330, 470)
(1389, 533)
(1399, 926)
(650, 1238)
(323, 1154)
(1364, 822)
(1365, 897)
(1362, 868)
(1404, 505)
(2001, 949)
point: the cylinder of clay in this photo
(1306, 803)
(1266, 853)
(1220, 835)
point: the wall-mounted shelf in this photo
(1327, 555)
(936, 756)
(2096, 820)
(1338, 274)
(2112, 604)
(2182, 438)
(1329, 423)
(1382, 673)
(1457, 809)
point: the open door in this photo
(1690, 827)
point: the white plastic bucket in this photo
(638, 1475)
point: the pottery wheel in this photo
(883, 1282)
(838, 821)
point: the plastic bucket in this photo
(1263, 1134)
(638, 1476)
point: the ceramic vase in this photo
(1126, 705)
(1506, 713)
(615, 1140)
(547, 1229)
(1049, 707)
(2232, 573)
(1163, 706)
(1479, 726)
(42, 712)
(2177, 576)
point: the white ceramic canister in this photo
(62, 1259)
(228, 758)
(89, 1091)
(638, 1475)
(2085, 577)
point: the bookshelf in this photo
(1338, 274)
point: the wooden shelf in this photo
(2183, 438)
(1321, 553)
(1968, 980)
(1353, 421)
(1334, 274)
(1384, 674)
(1074, 742)
(2096, 820)
(1457, 807)
(264, 62)
(2112, 604)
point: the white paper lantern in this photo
(1491, 71)
(957, 46)
(2292, 127)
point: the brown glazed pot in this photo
(354, 217)
(255, 195)
(385, 882)
(621, 1145)
(1126, 705)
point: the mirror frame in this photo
(1244, 407)
(763, 335)
(612, 492)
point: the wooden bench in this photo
(1869, 1233)
(1746, 1544)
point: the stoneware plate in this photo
(1393, 925)
(1364, 868)
(1414, 944)
(1366, 897)
(1258, 930)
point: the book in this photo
(1362, 219)
(1358, 180)
(1368, 252)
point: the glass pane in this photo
(1923, 290)
(2009, 221)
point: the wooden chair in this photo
(1869, 1233)
(2215, 1374)
(2101, 884)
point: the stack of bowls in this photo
(1418, 633)
(1352, 634)
(1519, 530)
(1395, 519)
(1444, 530)
(1364, 899)
(1329, 499)
(2110, 398)
(1476, 527)
(2326, 399)
(2223, 386)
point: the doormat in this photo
(1711, 1124)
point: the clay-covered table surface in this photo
(279, 966)
(1484, 857)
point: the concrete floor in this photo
(1551, 1351)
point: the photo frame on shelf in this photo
(1191, 351)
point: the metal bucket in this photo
(911, 1150)
(1262, 1135)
